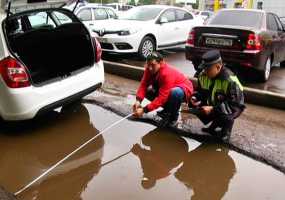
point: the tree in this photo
(132, 2)
(146, 2)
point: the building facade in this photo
(275, 6)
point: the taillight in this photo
(13, 73)
(98, 52)
(191, 38)
(253, 42)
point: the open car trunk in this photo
(50, 51)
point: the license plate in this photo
(219, 42)
(103, 40)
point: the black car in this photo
(246, 39)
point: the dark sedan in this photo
(246, 38)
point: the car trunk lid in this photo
(23, 5)
(222, 37)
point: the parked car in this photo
(246, 38)
(93, 15)
(48, 59)
(144, 29)
(119, 7)
(204, 14)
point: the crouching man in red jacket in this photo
(165, 87)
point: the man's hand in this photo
(136, 105)
(207, 109)
(139, 112)
(194, 102)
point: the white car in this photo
(48, 58)
(144, 29)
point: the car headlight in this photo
(129, 32)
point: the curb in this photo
(253, 96)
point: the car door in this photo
(184, 23)
(166, 29)
(276, 41)
(85, 15)
(281, 35)
(111, 13)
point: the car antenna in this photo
(75, 5)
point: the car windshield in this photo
(141, 13)
(238, 18)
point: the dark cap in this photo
(154, 56)
(209, 58)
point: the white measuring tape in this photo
(69, 155)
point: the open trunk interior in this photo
(52, 52)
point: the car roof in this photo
(94, 5)
(243, 9)
(160, 6)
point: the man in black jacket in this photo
(219, 98)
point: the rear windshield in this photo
(38, 19)
(237, 18)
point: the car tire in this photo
(146, 47)
(265, 73)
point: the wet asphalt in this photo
(133, 160)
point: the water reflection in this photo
(206, 170)
(28, 156)
(164, 151)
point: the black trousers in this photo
(218, 119)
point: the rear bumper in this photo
(26, 103)
(68, 100)
(244, 59)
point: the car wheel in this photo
(265, 73)
(146, 47)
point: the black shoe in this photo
(162, 114)
(225, 135)
(209, 130)
(162, 123)
(167, 120)
(173, 124)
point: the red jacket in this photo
(167, 78)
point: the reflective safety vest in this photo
(217, 85)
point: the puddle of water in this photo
(155, 163)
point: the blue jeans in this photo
(172, 106)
